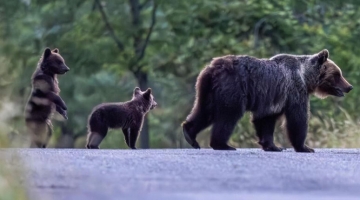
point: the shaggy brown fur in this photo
(128, 115)
(268, 88)
(45, 98)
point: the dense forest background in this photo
(112, 46)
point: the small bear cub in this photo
(44, 98)
(129, 116)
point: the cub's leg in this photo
(56, 99)
(49, 132)
(97, 132)
(133, 136)
(126, 132)
(94, 140)
(296, 125)
(40, 133)
(265, 131)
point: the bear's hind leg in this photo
(192, 127)
(223, 127)
(265, 131)
(94, 140)
(97, 133)
(40, 133)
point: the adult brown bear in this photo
(268, 88)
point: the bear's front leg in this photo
(265, 131)
(133, 136)
(296, 125)
(126, 132)
(56, 99)
(61, 112)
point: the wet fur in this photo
(44, 98)
(268, 88)
(128, 116)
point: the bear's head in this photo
(330, 80)
(53, 63)
(145, 97)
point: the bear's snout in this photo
(64, 69)
(153, 105)
(348, 89)
(345, 86)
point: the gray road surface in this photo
(179, 174)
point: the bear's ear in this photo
(323, 55)
(137, 91)
(320, 57)
(56, 50)
(147, 93)
(47, 52)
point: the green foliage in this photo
(186, 36)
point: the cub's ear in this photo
(56, 50)
(137, 91)
(47, 52)
(320, 57)
(147, 93)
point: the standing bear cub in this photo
(268, 88)
(44, 98)
(128, 115)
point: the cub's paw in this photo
(63, 113)
(64, 107)
(305, 149)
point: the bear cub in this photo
(129, 116)
(44, 98)
(269, 89)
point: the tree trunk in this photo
(144, 136)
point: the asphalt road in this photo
(179, 174)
